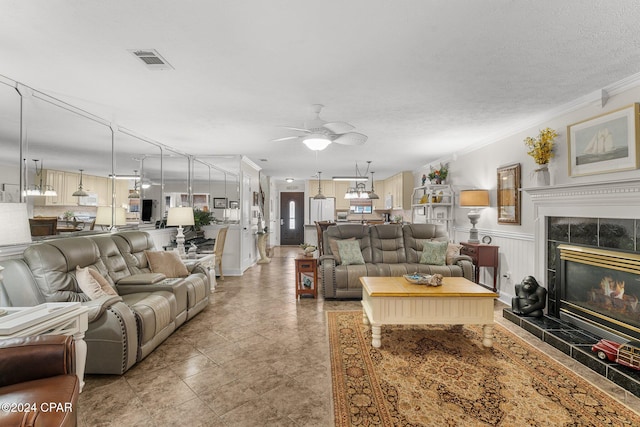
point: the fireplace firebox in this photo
(600, 287)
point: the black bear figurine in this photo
(530, 299)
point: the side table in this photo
(306, 266)
(54, 318)
(483, 256)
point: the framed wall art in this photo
(220, 202)
(509, 194)
(234, 204)
(605, 143)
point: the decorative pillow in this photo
(453, 250)
(167, 263)
(434, 253)
(333, 244)
(93, 284)
(350, 253)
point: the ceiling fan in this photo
(318, 133)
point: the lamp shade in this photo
(474, 198)
(104, 216)
(14, 224)
(180, 216)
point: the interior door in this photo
(291, 218)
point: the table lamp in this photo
(180, 216)
(104, 216)
(474, 199)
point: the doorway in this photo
(291, 218)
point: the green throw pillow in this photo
(434, 253)
(349, 251)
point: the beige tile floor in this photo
(254, 357)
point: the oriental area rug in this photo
(443, 376)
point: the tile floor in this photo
(254, 357)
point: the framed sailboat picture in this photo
(606, 143)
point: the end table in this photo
(483, 256)
(306, 266)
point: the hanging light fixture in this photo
(360, 190)
(372, 194)
(135, 194)
(40, 190)
(80, 191)
(319, 196)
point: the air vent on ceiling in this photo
(152, 59)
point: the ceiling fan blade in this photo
(296, 129)
(339, 127)
(351, 138)
(286, 138)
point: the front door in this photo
(291, 218)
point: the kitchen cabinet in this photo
(378, 187)
(64, 183)
(340, 188)
(400, 188)
(327, 187)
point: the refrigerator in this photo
(322, 209)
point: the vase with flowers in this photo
(541, 149)
(437, 176)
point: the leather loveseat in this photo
(388, 250)
(37, 383)
(125, 328)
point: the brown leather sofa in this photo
(37, 384)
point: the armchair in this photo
(44, 394)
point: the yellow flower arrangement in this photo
(541, 148)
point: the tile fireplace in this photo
(587, 255)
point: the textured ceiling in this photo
(423, 79)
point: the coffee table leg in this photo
(376, 336)
(487, 340)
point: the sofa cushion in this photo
(387, 244)
(434, 253)
(349, 251)
(93, 284)
(415, 235)
(132, 245)
(453, 251)
(167, 263)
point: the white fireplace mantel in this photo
(612, 199)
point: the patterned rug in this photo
(442, 376)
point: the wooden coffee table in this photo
(395, 301)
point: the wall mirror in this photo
(509, 194)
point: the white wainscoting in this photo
(516, 252)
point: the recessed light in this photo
(289, 180)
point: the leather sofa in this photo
(46, 393)
(388, 250)
(123, 329)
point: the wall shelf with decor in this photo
(433, 204)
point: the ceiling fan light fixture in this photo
(316, 142)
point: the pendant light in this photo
(80, 191)
(372, 194)
(135, 194)
(319, 196)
